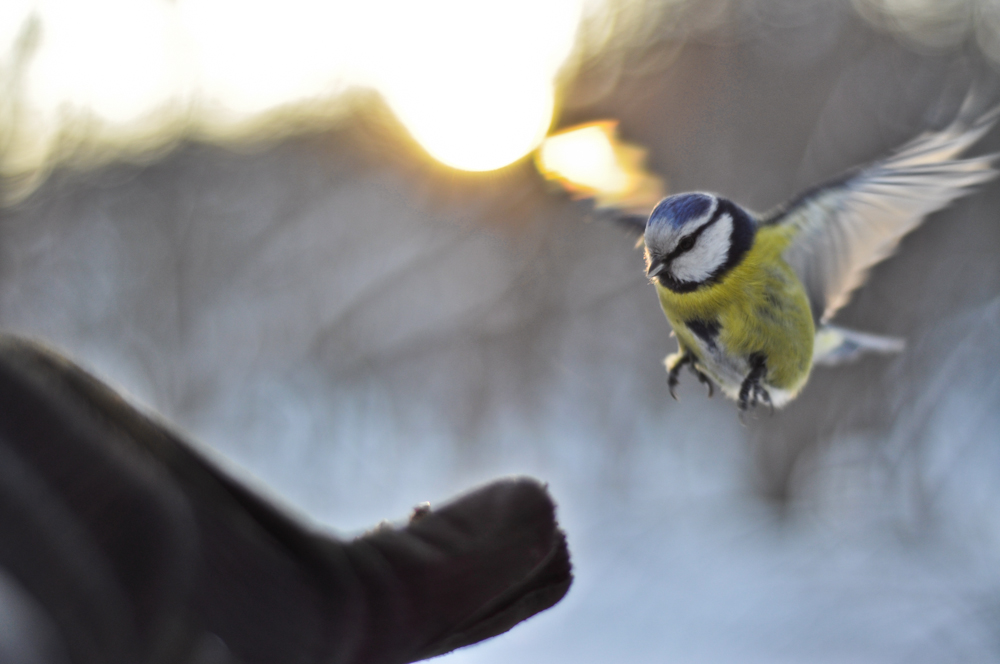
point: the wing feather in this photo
(845, 227)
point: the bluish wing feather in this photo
(852, 223)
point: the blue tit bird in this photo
(750, 296)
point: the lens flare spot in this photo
(590, 161)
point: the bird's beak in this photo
(655, 269)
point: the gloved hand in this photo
(132, 548)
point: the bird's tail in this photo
(837, 345)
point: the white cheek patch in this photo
(708, 254)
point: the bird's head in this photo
(694, 239)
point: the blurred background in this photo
(313, 238)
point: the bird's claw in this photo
(766, 399)
(704, 380)
(752, 393)
(674, 366)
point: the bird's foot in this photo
(752, 393)
(674, 364)
(754, 396)
(678, 361)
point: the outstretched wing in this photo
(845, 227)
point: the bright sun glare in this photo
(473, 82)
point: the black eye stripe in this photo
(688, 242)
(741, 239)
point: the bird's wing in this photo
(843, 228)
(633, 223)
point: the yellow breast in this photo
(760, 306)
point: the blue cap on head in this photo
(679, 209)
